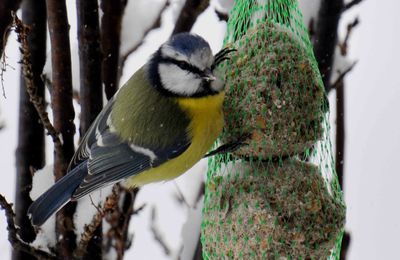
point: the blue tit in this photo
(157, 126)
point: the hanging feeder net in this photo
(277, 197)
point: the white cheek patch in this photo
(178, 81)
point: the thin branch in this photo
(6, 8)
(22, 33)
(188, 16)
(351, 4)
(110, 42)
(344, 45)
(17, 243)
(343, 74)
(156, 24)
(156, 233)
(222, 16)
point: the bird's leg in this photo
(229, 147)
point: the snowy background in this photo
(372, 131)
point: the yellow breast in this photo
(206, 125)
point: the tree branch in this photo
(30, 154)
(351, 4)
(17, 243)
(344, 45)
(156, 233)
(89, 62)
(91, 95)
(118, 218)
(326, 37)
(188, 16)
(155, 25)
(110, 42)
(63, 114)
(29, 78)
(6, 8)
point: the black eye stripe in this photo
(183, 65)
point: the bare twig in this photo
(222, 16)
(188, 16)
(351, 4)
(22, 32)
(342, 74)
(156, 24)
(3, 68)
(119, 220)
(17, 243)
(180, 197)
(344, 45)
(89, 230)
(6, 7)
(156, 233)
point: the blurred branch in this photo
(345, 245)
(326, 37)
(189, 13)
(90, 229)
(351, 4)
(157, 234)
(342, 74)
(118, 217)
(30, 153)
(6, 8)
(63, 114)
(221, 15)
(110, 43)
(156, 24)
(344, 45)
(15, 241)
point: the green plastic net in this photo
(277, 197)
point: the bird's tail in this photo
(57, 196)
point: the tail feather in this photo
(57, 196)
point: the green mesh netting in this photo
(277, 197)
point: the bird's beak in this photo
(208, 75)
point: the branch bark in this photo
(188, 16)
(30, 154)
(91, 96)
(6, 7)
(110, 42)
(17, 243)
(63, 114)
(90, 57)
(326, 37)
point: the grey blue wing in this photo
(100, 125)
(112, 160)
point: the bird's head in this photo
(184, 67)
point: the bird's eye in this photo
(182, 64)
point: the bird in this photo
(161, 122)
